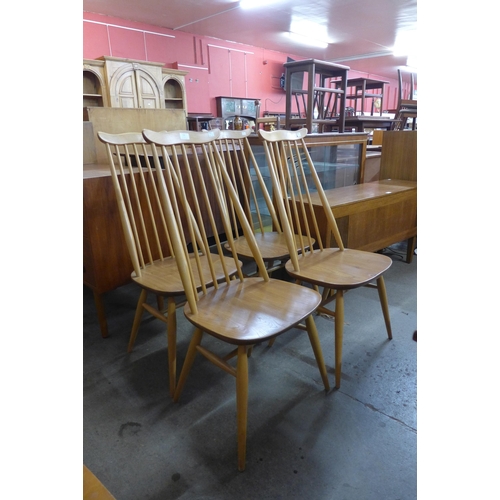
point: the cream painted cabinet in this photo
(134, 84)
(174, 88)
(95, 91)
(126, 83)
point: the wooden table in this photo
(373, 215)
(317, 94)
(366, 88)
(360, 123)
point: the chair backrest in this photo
(406, 89)
(195, 185)
(144, 226)
(298, 191)
(269, 122)
(248, 180)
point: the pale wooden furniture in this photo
(335, 270)
(147, 237)
(95, 89)
(321, 108)
(129, 83)
(122, 120)
(106, 263)
(255, 198)
(93, 489)
(239, 312)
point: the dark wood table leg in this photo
(410, 249)
(101, 314)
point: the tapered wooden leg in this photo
(172, 343)
(137, 320)
(188, 362)
(312, 331)
(382, 293)
(242, 404)
(339, 335)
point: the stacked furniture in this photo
(320, 104)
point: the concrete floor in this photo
(356, 443)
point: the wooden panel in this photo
(399, 155)
(371, 216)
(89, 152)
(106, 262)
(372, 167)
(117, 121)
(375, 229)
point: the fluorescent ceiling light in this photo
(411, 61)
(406, 43)
(309, 33)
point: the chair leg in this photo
(382, 293)
(339, 335)
(242, 404)
(172, 343)
(312, 331)
(188, 363)
(137, 319)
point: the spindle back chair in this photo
(243, 311)
(298, 187)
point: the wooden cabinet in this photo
(174, 88)
(95, 92)
(230, 107)
(127, 83)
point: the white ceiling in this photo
(362, 33)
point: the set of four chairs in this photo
(188, 206)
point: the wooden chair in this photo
(146, 235)
(253, 193)
(334, 269)
(241, 312)
(407, 103)
(268, 122)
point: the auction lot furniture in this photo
(335, 270)
(238, 312)
(147, 237)
(360, 89)
(317, 104)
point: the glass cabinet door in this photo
(337, 166)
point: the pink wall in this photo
(215, 67)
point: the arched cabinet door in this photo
(134, 87)
(148, 92)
